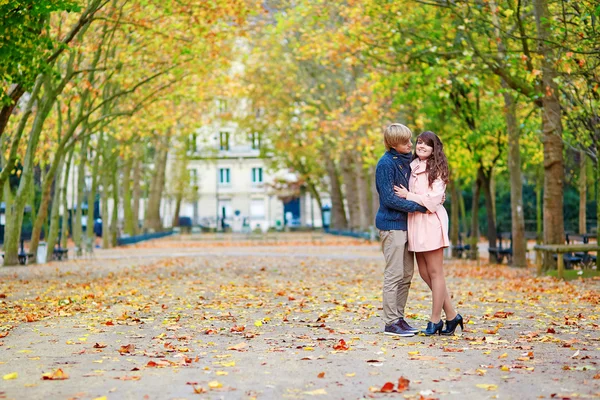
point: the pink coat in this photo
(426, 231)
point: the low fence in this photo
(124, 241)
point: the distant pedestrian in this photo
(428, 232)
(393, 169)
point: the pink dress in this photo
(426, 231)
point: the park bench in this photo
(23, 256)
(459, 249)
(560, 250)
(585, 257)
(498, 254)
(59, 253)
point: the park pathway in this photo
(185, 317)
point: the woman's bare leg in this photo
(434, 261)
(422, 264)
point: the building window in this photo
(254, 140)
(224, 141)
(224, 176)
(257, 175)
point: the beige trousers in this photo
(399, 270)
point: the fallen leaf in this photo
(423, 358)
(127, 349)
(100, 345)
(56, 375)
(452, 350)
(215, 384)
(315, 392)
(129, 378)
(199, 390)
(402, 384)
(238, 347)
(12, 375)
(321, 375)
(487, 386)
(341, 345)
(387, 387)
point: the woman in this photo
(428, 232)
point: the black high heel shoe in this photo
(432, 328)
(452, 324)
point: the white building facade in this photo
(235, 185)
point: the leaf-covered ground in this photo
(181, 319)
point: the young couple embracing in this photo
(413, 222)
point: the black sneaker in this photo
(404, 325)
(397, 330)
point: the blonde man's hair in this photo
(396, 134)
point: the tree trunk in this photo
(373, 195)
(464, 223)
(351, 190)
(582, 192)
(597, 201)
(454, 217)
(9, 163)
(152, 218)
(114, 220)
(92, 193)
(12, 227)
(338, 213)
(55, 212)
(475, 221)
(539, 189)
(106, 181)
(48, 182)
(137, 190)
(551, 132)
(80, 190)
(516, 181)
(13, 234)
(316, 196)
(128, 223)
(485, 179)
(65, 217)
(362, 190)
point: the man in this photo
(394, 169)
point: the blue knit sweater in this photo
(393, 169)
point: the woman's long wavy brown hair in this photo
(437, 163)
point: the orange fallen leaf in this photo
(30, 318)
(238, 329)
(423, 358)
(238, 347)
(341, 345)
(127, 349)
(129, 378)
(321, 375)
(100, 345)
(199, 390)
(402, 384)
(388, 387)
(452, 350)
(56, 375)
(109, 323)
